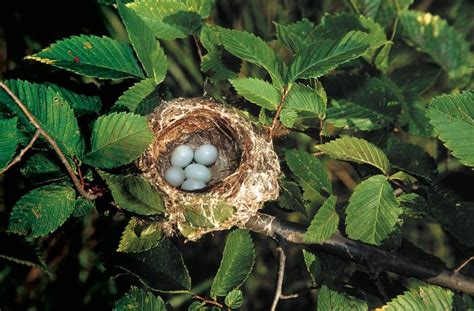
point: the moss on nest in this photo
(244, 177)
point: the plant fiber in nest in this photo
(244, 177)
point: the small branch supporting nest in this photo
(281, 274)
(363, 254)
(276, 118)
(22, 153)
(51, 141)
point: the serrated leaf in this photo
(82, 207)
(258, 92)
(371, 106)
(169, 20)
(160, 268)
(234, 299)
(290, 197)
(373, 211)
(253, 49)
(133, 98)
(236, 264)
(313, 266)
(134, 193)
(309, 169)
(139, 236)
(149, 51)
(295, 36)
(118, 139)
(8, 141)
(331, 300)
(140, 300)
(42, 210)
(381, 11)
(81, 104)
(356, 150)
(203, 7)
(432, 35)
(52, 112)
(324, 268)
(427, 297)
(93, 56)
(452, 117)
(304, 104)
(39, 167)
(414, 80)
(413, 205)
(323, 56)
(324, 223)
(18, 250)
(410, 158)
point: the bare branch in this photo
(22, 153)
(298, 293)
(281, 274)
(276, 118)
(461, 266)
(363, 254)
(51, 141)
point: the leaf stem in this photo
(276, 118)
(22, 153)
(208, 301)
(281, 274)
(51, 141)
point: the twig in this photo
(458, 269)
(51, 141)
(281, 274)
(298, 293)
(198, 46)
(276, 118)
(22, 153)
(208, 301)
(342, 174)
(363, 254)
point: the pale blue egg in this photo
(206, 154)
(182, 156)
(193, 184)
(174, 176)
(197, 171)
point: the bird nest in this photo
(244, 176)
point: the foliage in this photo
(372, 111)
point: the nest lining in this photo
(244, 177)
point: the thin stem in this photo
(22, 153)
(198, 46)
(298, 293)
(52, 142)
(208, 301)
(278, 112)
(281, 274)
(458, 269)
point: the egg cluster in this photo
(188, 175)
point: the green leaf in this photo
(140, 300)
(414, 205)
(52, 112)
(234, 299)
(40, 167)
(258, 92)
(323, 56)
(253, 49)
(418, 162)
(295, 36)
(139, 236)
(356, 150)
(42, 210)
(133, 98)
(134, 193)
(82, 207)
(203, 7)
(371, 106)
(168, 20)
(93, 56)
(148, 49)
(373, 211)
(414, 80)
(308, 169)
(118, 139)
(236, 264)
(160, 268)
(330, 300)
(452, 117)
(8, 140)
(20, 251)
(381, 11)
(313, 266)
(290, 197)
(304, 104)
(426, 297)
(432, 35)
(324, 223)
(324, 268)
(81, 104)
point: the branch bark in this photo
(22, 153)
(281, 275)
(363, 254)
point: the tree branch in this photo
(22, 153)
(276, 118)
(51, 141)
(281, 274)
(363, 254)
